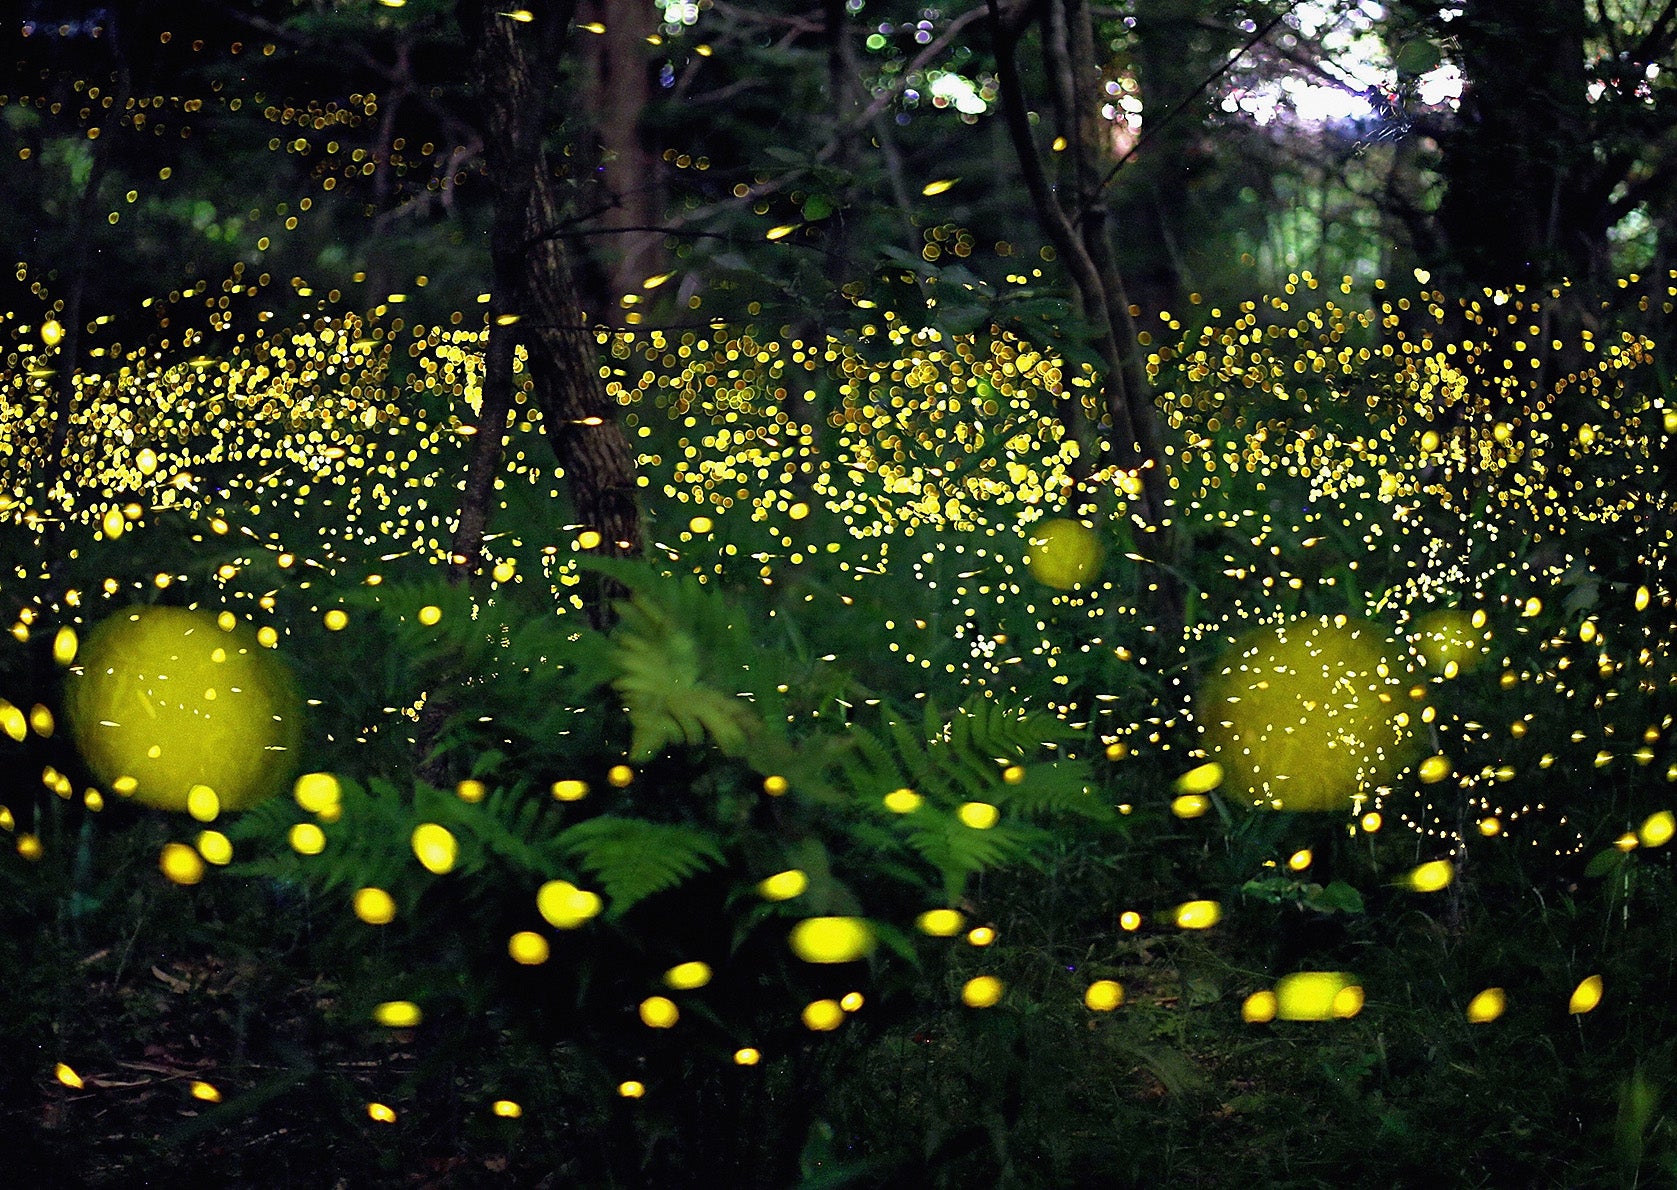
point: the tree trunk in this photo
(535, 301)
(1079, 232)
(1514, 161)
(619, 90)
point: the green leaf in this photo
(1604, 862)
(634, 859)
(1418, 57)
(1337, 896)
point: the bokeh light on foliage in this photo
(165, 698)
(1308, 716)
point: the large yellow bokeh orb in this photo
(1307, 715)
(1063, 554)
(164, 700)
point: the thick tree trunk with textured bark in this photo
(535, 301)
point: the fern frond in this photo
(634, 859)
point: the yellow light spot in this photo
(1316, 996)
(1064, 554)
(775, 786)
(267, 636)
(783, 886)
(380, 1113)
(429, 615)
(798, 511)
(700, 525)
(398, 1014)
(1434, 769)
(1200, 780)
(940, 923)
(1657, 829)
(747, 1056)
(619, 776)
(1260, 1007)
(64, 645)
(631, 1089)
(435, 848)
(831, 939)
(1432, 876)
(528, 948)
(503, 571)
(981, 991)
(307, 839)
(1627, 842)
(1129, 920)
(1643, 596)
(933, 189)
(1117, 750)
(570, 790)
(823, 1016)
(1490, 827)
(980, 816)
(565, 906)
(1487, 1006)
(205, 1092)
(981, 936)
(1585, 996)
(181, 863)
(507, 1109)
(335, 620)
(1190, 805)
(1371, 821)
(29, 847)
(52, 333)
(684, 977)
(317, 792)
(781, 232)
(67, 1076)
(41, 722)
(215, 847)
(852, 1001)
(659, 1012)
(903, 801)
(1198, 915)
(202, 803)
(1300, 860)
(374, 906)
(471, 790)
(1104, 995)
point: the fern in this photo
(633, 859)
(956, 850)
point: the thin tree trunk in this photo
(535, 300)
(1082, 239)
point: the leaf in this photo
(1604, 862)
(633, 859)
(1418, 57)
(1337, 896)
(817, 207)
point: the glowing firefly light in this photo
(684, 977)
(435, 848)
(982, 991)
(1104, 995)
(940, 923)
(831, 939)
(1585, 996)
(398, 1014)
(1431, 876)
(1487, 1006)
(783, 886)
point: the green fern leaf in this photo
(634, 859)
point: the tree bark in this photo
(535, 301)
